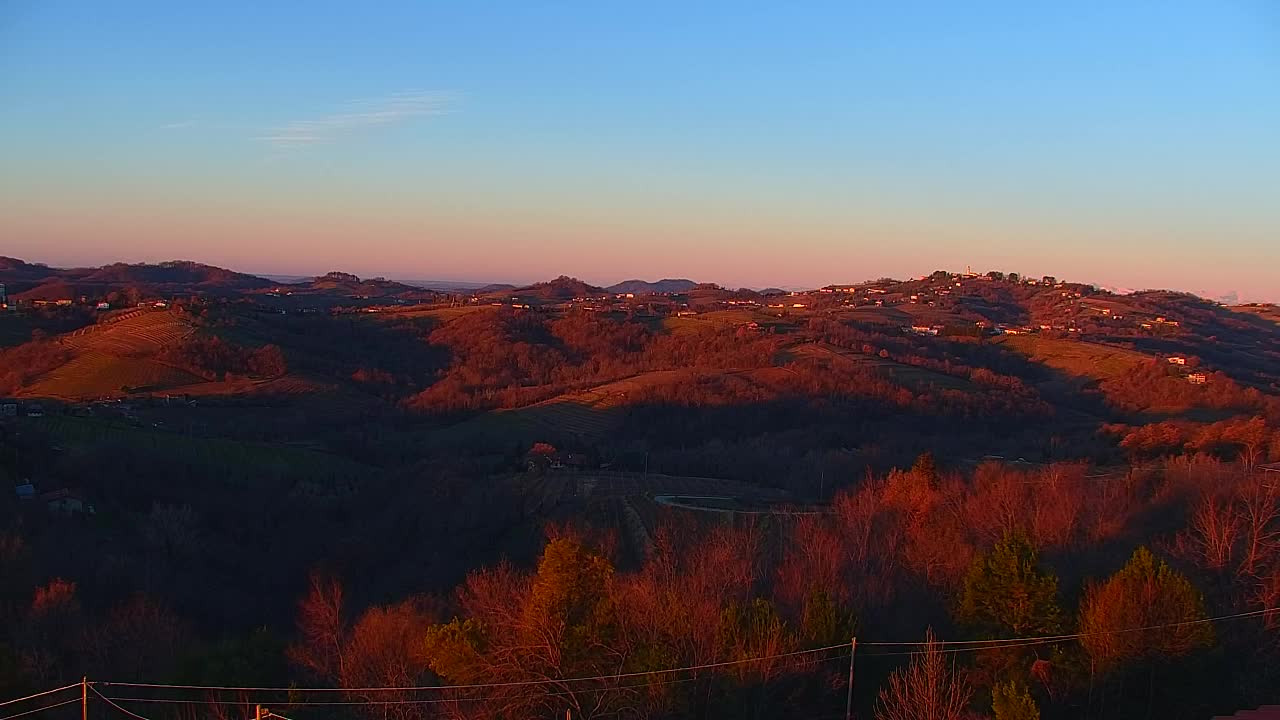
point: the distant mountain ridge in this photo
(665, 285)
(30, 281)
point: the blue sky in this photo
(1134, 144)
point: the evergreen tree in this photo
(1012, 701)
(1145, 593)
(1007, 594)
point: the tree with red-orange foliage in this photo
(560, 624)
(22, 364)
(322, 628)
(1145, 593)
(49, 637)
(382, 648)
(268, 361)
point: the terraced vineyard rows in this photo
(138, 333)
(111, 357)
(93, 374)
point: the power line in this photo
(419, 701)
(516, 683)
(952, 646)
(41, 709)
(983, 644)
(430, 701)
(965, 649)
(968, 646)
(113, 704)
(40, 694)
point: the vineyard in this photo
(94, 374)
(138, 332)
(110, 358)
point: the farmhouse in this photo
(1197, 378)
(66, 502)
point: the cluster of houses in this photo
(63, 502)
(99, 305)
(543, 457)
(1195, 378)
(14, 409)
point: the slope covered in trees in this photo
(523, 489)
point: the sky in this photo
(1130, 144)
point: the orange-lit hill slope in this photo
(116, 357)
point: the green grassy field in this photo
(241, 462)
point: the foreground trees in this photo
(382, 649)
(1007, 594)
(1145, 593)
(929, 688)
(559, 624)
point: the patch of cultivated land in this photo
(1268, 312)
(134, 333)
(589, 413)
(689, 325)
(1076, 357)
(110, 358)
(95, 374)
(872, 313)
(909, 375)
(721, 319)
(444, 314)
(585, 414)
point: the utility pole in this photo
(848, 702)
(84, 698)
(257, 712)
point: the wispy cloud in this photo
(178, 125)
(357, 115)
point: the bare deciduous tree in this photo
(927, 689)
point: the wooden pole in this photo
(84, 698)
(848, 702)
(257, 712)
